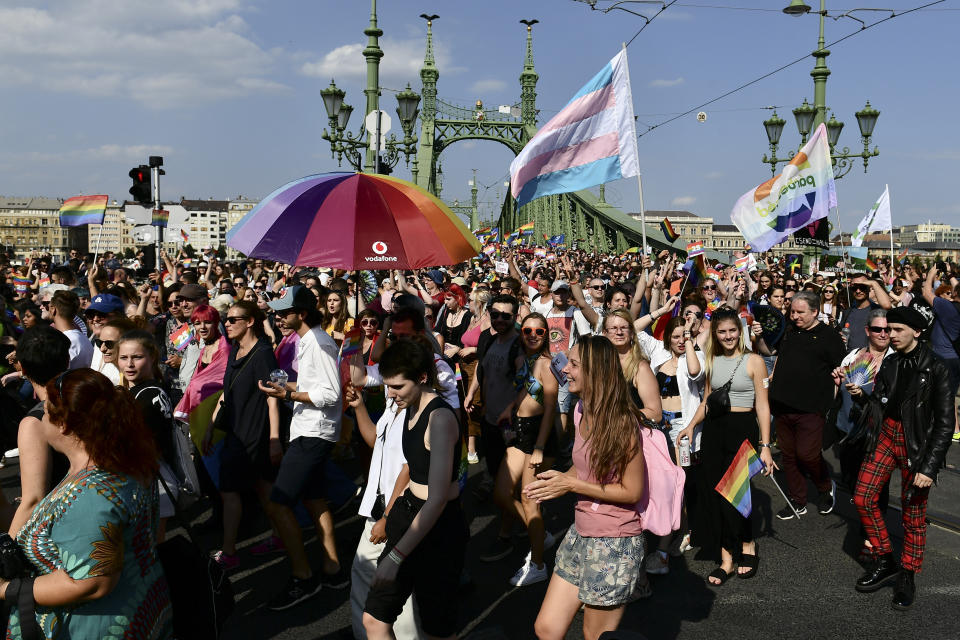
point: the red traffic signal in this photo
(141, 191)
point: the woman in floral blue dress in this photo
(91, 539)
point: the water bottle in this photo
(845, 332)
(279, 376)
(684, 451)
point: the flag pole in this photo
(790, 504)
(96, 249)
(886, 190)
(633, 125)
(846, 278)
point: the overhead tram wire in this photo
(786, 66)
(649, 20)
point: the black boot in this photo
(904, 594)
(883, 570)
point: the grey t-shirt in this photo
(857, 319)
(498, 389)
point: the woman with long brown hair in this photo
(600, 559)
(336, 317)
(92, 537)
(642, 384)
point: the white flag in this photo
(877, 219)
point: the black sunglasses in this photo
(232, 319)
(110, 344)
(879, 329)
(500, 315)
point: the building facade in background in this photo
(33, 224)
(236, 209)
(724, 238)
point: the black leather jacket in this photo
(926, 412)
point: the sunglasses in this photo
(879, 329)
(369, 322)
(501, 315)
(109, 344)
(709, 287)
(232, 319)
(599, 287)
(538, 331)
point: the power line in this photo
(786, 66)
(648, 21)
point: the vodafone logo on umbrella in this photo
(380, 248)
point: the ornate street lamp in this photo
(809, 116)
(359, 148)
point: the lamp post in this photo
(370, 153)
(809, 116)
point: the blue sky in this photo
(228, 91)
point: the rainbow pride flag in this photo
(81, 210)
(187, 262)
(540, 252)
(184, 235)
(902, 256)
(697, 270)
(632, 250)
(458, 373)
(871, 265)
(182, 336)
(735, 483)
(668, 231)
(352, 343)
(742, 264)
(525, 229)
(490, 249)
(695, 249)
(713, 274)
(160, 218)
(21, 284)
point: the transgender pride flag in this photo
(591, 141)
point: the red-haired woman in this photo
(92, 537)
(454, 321)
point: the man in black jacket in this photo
(911, 419)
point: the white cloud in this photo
(683, 201)
(400, 64)
(661, 83)
(488, 86)
(162, 54)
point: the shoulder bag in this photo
(718, 402)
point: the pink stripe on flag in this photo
(573, 156)
(582, 108)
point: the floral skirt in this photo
(605, 570)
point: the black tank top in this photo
(414, 449)
(668, 385)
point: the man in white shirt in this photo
(63, 307)
(314, 430)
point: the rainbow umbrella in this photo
(354, 221)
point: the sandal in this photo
(721, 575)
(751, 561)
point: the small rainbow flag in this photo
(182, 336)
(540, 252)
(525, 229)
(742, 263)
(697, 270)
(871, 265)
(187, 262)
(352, 343)
(902, 257)
(632, 250)
(695, 249)
(713, 274)
(160, 218)
(44, 282)
(735, 483)
(21, 284)
(81, 210)
(668, 231)
(458, 373)
(551, 256)
(482, 232)
(490, 249)
(184, 235)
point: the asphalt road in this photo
(804, 588)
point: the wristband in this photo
(395, 557)
(765, 444)
(288, 395)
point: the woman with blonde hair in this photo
(722, 530)
(601, 556)
(618, 328)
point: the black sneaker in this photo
(827, 500)
(337, 580)
(787, 513)
(294, 593)
(501, 548)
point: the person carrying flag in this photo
(722, 530)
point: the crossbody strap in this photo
(730, 381)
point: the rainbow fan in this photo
(862, 370)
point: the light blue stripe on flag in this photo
(567, 180)
(599, 81)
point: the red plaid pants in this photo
(891, 452)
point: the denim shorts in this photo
(605, 570)
(565, 399)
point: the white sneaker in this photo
(680, 546)
(472, 457)
(12, 453)
(529, 573)
(657, 563)
(548, 540)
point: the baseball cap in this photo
(559, 284)
(193, 292)
(105, 303)
(435, 275)
(296, 297)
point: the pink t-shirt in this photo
(596, 519)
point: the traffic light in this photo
(141, 190)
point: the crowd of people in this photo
(553, 371)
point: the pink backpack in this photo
(662, 500)
(659, 508)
